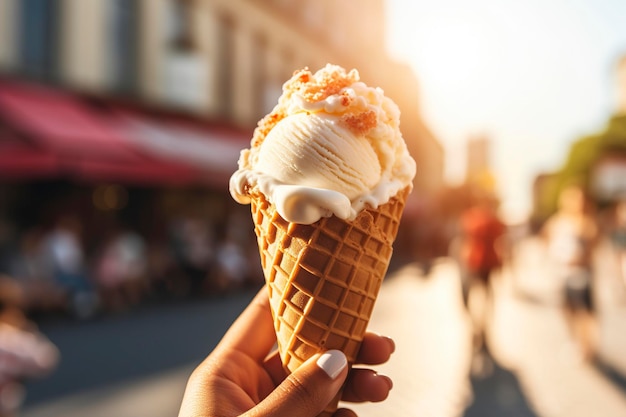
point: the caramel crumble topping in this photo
(313, 89)
(360, 123)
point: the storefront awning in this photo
(61, 123)
(61, 135)
(184, 143)
(24, 162)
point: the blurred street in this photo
(142, 368)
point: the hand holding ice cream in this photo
(239, 378)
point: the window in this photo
(39, 38)
(179, 33)
(123, 44)
(185, 69)
(259, 74)
(225, 68)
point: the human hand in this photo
(239, 378)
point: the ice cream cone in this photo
(327, 175)
(323, 278)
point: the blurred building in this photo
(135, 111)
(620, 73)
(221, 61)
(479, 172)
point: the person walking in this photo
(480, 253)
(618, 239)
(571, 235)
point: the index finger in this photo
(252, 333)
(375, 349)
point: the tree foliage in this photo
(580, 161)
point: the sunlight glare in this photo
(454, 52)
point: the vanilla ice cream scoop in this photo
(332, 145)
(317, 152)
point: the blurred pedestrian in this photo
(25, 353)
(7, 243)
(231, 266)
(64, 258)
(480, 253)
(618, 238)
(164, 275)
(193, 248)
(28, 268)
(571, 234)
(121, 271)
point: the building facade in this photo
(479, 172)
(218, 60)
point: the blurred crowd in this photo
(66, 270)
(51, 270)
(570, 238)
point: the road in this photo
(107, 365)
(136, 365)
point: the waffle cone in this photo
(323, 278)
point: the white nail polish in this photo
(332, 362)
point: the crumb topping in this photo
(265, 125)
(360, 123)
(314, 88)
(324, 83)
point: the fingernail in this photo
(391, 343)
(332, 362)
(387, 380)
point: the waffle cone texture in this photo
(323, 278)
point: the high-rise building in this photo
(479, 172)
(620, 73)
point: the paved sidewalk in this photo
(431, 364)
(154, 396)
(531, 338)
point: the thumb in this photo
(309, 389)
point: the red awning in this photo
(62, 136)
(61, 123)
(23, 161)
(213, 151)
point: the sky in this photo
(532, 75)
